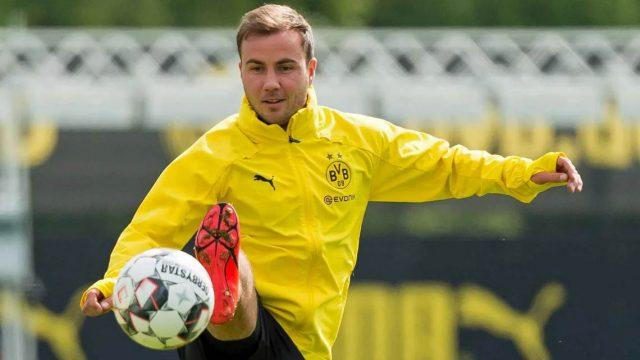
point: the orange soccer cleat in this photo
(216, 247)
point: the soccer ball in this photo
(163, 299)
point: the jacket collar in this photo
(302, 125)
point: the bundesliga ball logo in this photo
(163, 299)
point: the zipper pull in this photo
(292, 140)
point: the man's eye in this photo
(286, 67)
(255, 68)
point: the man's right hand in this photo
(96, 304)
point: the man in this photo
(300, 175)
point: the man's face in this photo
(275, 75)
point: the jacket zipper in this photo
(304, 185)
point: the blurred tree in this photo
(211, 14)
(627, 12)
(123, 13)
(496, 12)
(347, 13)
(423, 12)
(617, 12)
(198, 13)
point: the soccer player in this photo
(300, 176)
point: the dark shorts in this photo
(268, 341)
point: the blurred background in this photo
(96, 98)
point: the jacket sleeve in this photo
(171, 211)
(416, 167)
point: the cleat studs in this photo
(205, 258)
(226, 215)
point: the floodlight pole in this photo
(16, 267)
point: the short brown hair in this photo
(271, 19)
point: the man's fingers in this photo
(92, 306)
(547, 177)
(107, 304)
(575, 180)
(575, 183)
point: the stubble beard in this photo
(283, 121)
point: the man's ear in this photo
(311, 69)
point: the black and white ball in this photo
(163, 299)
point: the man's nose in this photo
(271, 82)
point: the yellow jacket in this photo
(301, 231)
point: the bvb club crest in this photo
(339, 174)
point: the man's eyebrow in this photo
(284, 61)
(280, 62)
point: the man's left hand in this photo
(565, 171)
